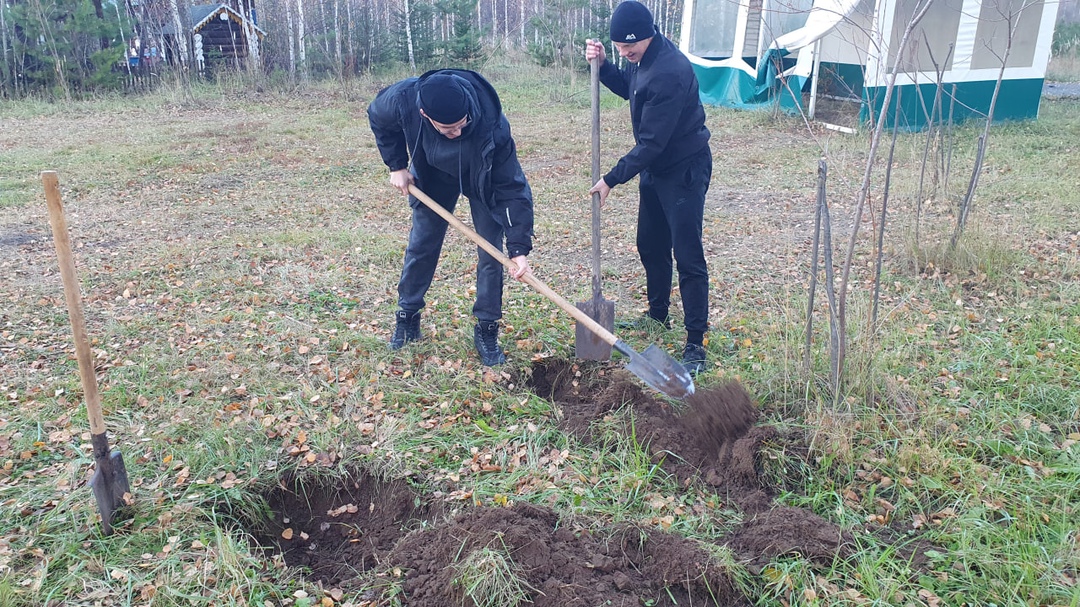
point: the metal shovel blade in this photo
(587, 344)
(109, 484)
(658, 370)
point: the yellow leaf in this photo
(746, 343)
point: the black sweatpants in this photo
(426, 241)
(670, 216)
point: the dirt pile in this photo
(350, 533)
(709, 439)
(559, 565)
(347, 532)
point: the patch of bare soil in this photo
(348, 532)
(342, 530)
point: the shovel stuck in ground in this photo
(110, 480)
(588, 344)
(653, 366)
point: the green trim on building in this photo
(1017, 100)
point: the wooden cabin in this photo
(218, 32)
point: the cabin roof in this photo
(202, 14)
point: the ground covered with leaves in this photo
(238, 255)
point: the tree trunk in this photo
(350, 49)
(5, 67)
(337, 41)
(408, 37)
(181, 33)
(99, 10)
(251, 39)
(301, 40)
(292, 41)
(325, 30)
(973, 184)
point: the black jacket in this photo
(488, 153)
(665, 110)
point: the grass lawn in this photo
(239, 253)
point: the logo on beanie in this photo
(630, 37)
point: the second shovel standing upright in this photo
(587, 344)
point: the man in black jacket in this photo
(673, 159)
(446, 133)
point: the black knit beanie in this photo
(631, 22)
(443, 99)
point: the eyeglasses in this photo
(451, 129)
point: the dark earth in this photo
(347, 533)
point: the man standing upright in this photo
(672, 157)
(445, 131)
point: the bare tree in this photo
(252, 40)
(339, 64)
(920, 9)
(351, 51)
(292, 41)
(408, 37)
(1011, 20)
(301, 40)
(181, 33)
(8, 58)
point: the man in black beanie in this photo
(674, 162)
(445, 132)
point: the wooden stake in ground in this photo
(110, 481)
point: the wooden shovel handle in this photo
(529, 279)
(594, 89)
(74, 300)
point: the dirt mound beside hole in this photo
(556, 565)
(787, 530)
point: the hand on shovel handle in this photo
(110, 482)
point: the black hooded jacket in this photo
(665, 110)
(484, 157)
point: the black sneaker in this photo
(406, 329)
(486, 340)
(645, 322)
(694, 358)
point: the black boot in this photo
(694, 358)
(406, 329)
(486, 339)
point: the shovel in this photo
(110, 481)
(653, 366)
(588, 344)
